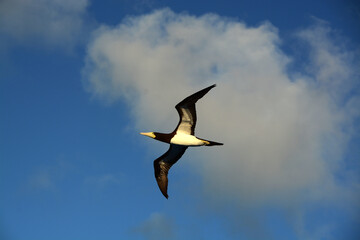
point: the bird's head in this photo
(149, 134)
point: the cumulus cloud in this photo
(283, 133)
(53, 22)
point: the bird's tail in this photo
(211, 143)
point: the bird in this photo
(180, 139)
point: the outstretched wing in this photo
(187, 112)
(164, 163)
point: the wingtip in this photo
(209, 88)
(165, 195)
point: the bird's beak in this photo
(149, 134)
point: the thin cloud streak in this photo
(102, 181)
(47, 178)
(157, 226)
(54, 23)
(284, 135)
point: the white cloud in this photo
(283, 134)
(53, 22)
(331, 64)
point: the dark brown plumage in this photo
(163, 164)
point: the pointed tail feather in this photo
(211, 143)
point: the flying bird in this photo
(180, 139)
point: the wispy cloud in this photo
(144, 5)
(102, 181)
(47, 178)
(51, 22)
(331, 64)
(285, 135)
(41, 180)
(157, 226)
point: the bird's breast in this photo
(186, 140)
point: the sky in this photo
(80, 79)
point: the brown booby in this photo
(180, 139)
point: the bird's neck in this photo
(163, 137)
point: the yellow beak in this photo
(149, 134)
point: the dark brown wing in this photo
(164, 163)
(187, 112)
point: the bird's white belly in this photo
(186, 140)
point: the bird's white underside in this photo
(187, 140)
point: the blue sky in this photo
(79, 81)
